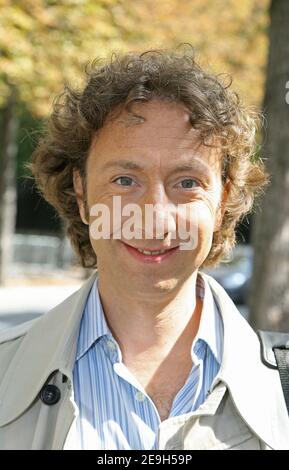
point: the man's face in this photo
(141, 164)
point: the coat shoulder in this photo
(10, 342)
(16, 332)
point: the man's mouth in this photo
(148, 252)
(151, 255)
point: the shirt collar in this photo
(94, 325)
(211, 326)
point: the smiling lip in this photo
(150, 258)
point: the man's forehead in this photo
(166, 130)
(163, 120)
(150, 135)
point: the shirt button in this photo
(111, 345)
(139, 396)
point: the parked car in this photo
(235, 275)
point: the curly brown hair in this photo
(214, 110)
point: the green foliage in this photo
(45, 43)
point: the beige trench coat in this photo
(245, 409)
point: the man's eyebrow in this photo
(192, 164)
(125, 164)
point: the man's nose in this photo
(157, 212)
(156, 194)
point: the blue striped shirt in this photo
(115, 411)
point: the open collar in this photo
(94, 325)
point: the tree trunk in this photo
(8, 149)
(269, 298)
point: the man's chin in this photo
(166, 285)
(150, 283)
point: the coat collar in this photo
(50, 345)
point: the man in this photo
(150, 353)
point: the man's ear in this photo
(222, 205)
(79, 192)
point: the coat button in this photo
(50, 394)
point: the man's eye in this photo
(125, 181)
(189, 183)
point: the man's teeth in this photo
(146, 252)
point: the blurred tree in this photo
(44, 43)
(41, 43)
(269, 301)
(8, 132)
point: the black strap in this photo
(282, 358)
(275, 354)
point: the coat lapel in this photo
(49, 345)
(254, 388)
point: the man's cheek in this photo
(195, 224)
(100, 195)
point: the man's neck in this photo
(151, 327)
